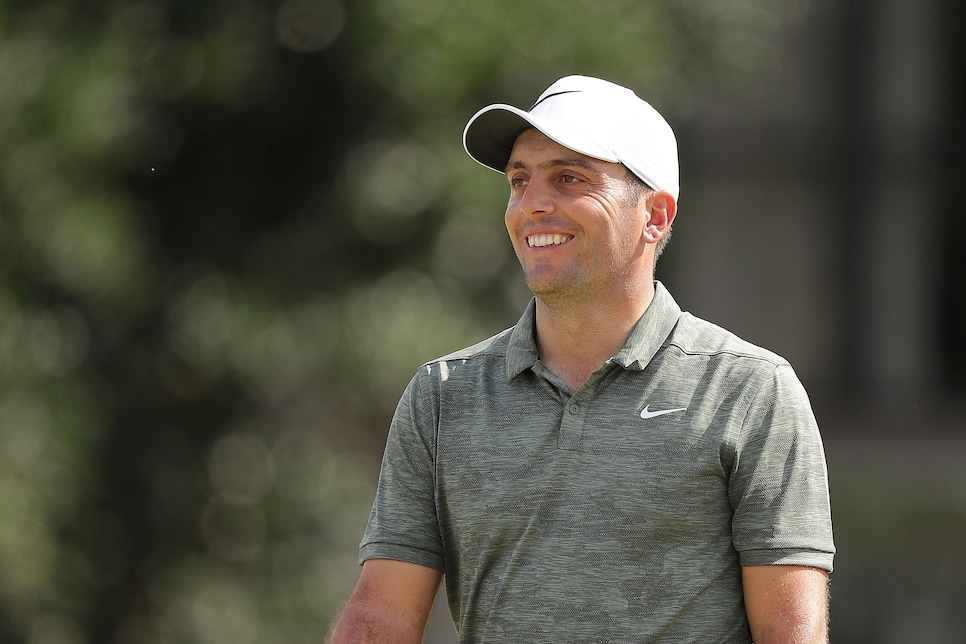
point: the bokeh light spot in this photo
(309, 25)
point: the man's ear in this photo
(661, 209)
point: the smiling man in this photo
(611, 468)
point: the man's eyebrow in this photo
(555, 163)
(516, 165)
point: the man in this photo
(611, 469)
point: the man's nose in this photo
(537, 199)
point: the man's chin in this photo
(551, 290)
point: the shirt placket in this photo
(572, 423)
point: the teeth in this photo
(537, 241)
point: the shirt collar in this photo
(645, 339)
(651, 330)
(521, 352)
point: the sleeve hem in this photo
(401, 552)
(810, 558)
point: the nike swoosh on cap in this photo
(569, 91)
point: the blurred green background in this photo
(230, 231)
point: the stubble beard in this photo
(569, 286)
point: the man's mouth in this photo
(539, 241)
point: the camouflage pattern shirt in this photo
(621, 512)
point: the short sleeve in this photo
(403, 524)
(779, 483)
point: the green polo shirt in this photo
(620, 512)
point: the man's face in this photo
(575, 222)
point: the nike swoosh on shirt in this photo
(647, 413)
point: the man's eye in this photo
(568, 178)
(518, 182)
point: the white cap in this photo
(588, 115)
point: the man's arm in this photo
(390, 603)
(786, 604)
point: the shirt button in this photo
(575, 409)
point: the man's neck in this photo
(575, 339)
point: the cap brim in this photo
(489, 136)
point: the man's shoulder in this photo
(696, 336)
(493, 347)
